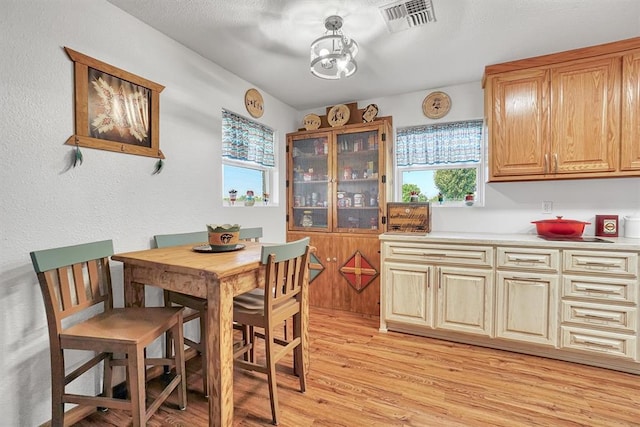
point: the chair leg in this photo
(271, 373)
(252, 341)
(57, 389)
(203, 354)
(136, 371)
(178, 334)
(168, 340)
(246, 356)
(298, 353)
(107, 386)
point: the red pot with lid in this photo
(560, 227)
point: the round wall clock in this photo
(436, 105)
(311, 121)
(254, 103)
(338, 115)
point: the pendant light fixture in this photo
(333, 55)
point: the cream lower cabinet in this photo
(409, 298)
(464, 300)
(446, 287)
(546, 299)
(599, 303)
(527, 295)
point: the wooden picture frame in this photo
(114, 109)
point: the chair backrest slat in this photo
(79, 283)
(251, 233)
(64, 287)
(94, 279)
(166, 240)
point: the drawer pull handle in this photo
(596, 316)
(600, 291)
(538, 260)
(436, 255)
(600, 264)
(597, 344)
(527, 279)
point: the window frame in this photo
(269, 173)
(480, 166)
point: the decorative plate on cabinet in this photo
(436, 105)
(254, 103)
(338, 115)
(311, 121)
(370, 113)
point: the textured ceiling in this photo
(267, 42)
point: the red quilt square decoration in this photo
(358, 271)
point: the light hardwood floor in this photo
(361, 377)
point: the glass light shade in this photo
(332, 55)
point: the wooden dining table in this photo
(217, 277)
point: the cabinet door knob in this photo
(335, 259)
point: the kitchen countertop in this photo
(532, 240)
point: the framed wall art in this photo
(114, 110)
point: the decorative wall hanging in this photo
(254, 103)
(358, 271)
(338, 115)
(114, 109)
(315, 267)
(370, 113)
(436, 105)
(311, 121)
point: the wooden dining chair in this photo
(286, 281)
(195, 308)
(76, 284)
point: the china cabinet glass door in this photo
(358, 181)
(310, 180)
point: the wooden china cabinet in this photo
(336, 179)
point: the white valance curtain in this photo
(457, 142)
(243, 139)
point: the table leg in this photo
(133, 292)
(219, 343)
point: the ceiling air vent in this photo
(402, 15)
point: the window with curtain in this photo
(248, 161)
(440, 163)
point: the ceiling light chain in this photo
(333, 55)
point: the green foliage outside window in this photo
(453, 184)
(406, 193)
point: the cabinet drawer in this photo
(592, 314)
(600, 288)
(601, 262)
(609, 343)
(528, 258)
(480, 256)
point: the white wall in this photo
(111, 196)
(510, 207)
(114, 196)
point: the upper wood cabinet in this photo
(630, 154)
(568, 115)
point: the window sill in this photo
(258, 206)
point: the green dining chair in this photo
(196, 308)
(286, 280)
(76, 287)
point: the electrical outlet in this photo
(547, 207)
